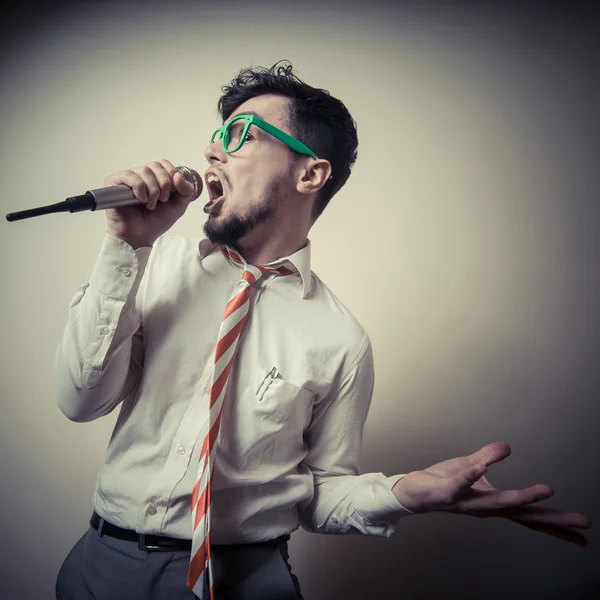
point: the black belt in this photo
(149, 543)
(161, 543)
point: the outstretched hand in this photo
(459, 486)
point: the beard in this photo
(234, 227)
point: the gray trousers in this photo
(100, 567)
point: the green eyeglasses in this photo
(234, 134)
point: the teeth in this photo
(215, 186)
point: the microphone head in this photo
(192, 177)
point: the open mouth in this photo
(215, 191)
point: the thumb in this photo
(182, 185)
(462, 481)
(474, 472)
(469, 476)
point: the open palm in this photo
(459, 485)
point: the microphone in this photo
(115, 196)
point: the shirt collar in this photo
(300, 259)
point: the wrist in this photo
(135, 243)
(402, 492)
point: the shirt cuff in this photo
(374, 508)
(378, 501)
(119, 268)
(390, 482)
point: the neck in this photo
(260, 251)
(273, 240)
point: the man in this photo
(244, 383)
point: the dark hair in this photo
(317, 119)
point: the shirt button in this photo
(126, 272)
(105, 331)
(334, 520)
(373, 487)
(181, 450)
(151, 510)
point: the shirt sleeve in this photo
(99, 359)
(345, 501)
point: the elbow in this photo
(74, 411)
(77, 405)
(308, 526)
(80, 412)
(307, 520)
(82, 405)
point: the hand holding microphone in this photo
(162, 195)
(141, 203)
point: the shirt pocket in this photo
(265, 426)
(281, 402)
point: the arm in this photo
(99, 359)
(344, 501)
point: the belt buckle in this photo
(148, 548)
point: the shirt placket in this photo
(183, 448)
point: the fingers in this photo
(158, 183)
(176, 182)
(491, 502)
(179, 183)
(151, 183)
(518, 498)
(132, 179)
(515, 498)
(546, 515)
(563, 533)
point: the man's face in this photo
(255, 179)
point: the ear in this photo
(314, 175)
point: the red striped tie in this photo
(200, 575)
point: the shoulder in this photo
(339, 320)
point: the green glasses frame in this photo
(223, 134)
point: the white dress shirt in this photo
(141, 335)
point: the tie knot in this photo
(253, 273)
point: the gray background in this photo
(465, 242)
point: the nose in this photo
(214, 152)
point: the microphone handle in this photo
(102, 198)
(115, 196)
